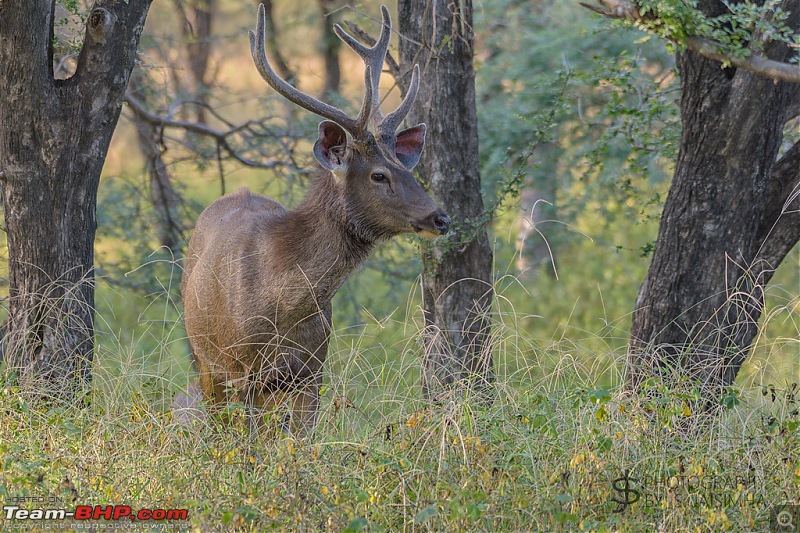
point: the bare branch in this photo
(615, 9)
(220, 136)
(755, 63)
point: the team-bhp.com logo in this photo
(97, 512)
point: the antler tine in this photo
(354, 126)
(362, 120)
(373, 58)
(388, 126)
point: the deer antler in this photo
(374, 57)
(356, 126)
(388, 126)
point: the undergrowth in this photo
(561, 448)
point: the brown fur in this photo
(259, 279)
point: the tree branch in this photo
(220, 136)
(781, 232)
(110, 28)
(755, 63)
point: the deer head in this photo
(372, 169)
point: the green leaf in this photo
(604, 444)
(730, 399)
(600, 395)
(357, 524)
(425, 514)
(564, 498)
(562, 517)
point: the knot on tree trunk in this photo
(101, 22)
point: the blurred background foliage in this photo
(578, 131)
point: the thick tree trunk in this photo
(727, 224)
(53, 144)
(457, 281)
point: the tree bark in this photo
(457, 279)
(53, 144)
(728, 222)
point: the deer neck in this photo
(324, 247)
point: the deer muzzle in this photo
(434, 226)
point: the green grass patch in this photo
(562, 448)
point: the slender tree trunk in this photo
(457, 280)
(196, 31)
(727, 224)
(537, 236)
(53, 144)
(163, 196)
(330, 48)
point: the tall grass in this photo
(562, 447)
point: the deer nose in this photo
(442, 223)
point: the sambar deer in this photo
(259, 278)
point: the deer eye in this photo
(379, 177)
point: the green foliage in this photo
(743, 29)
(68, 34)
(563, 106)
(566, 111)
(574, 454)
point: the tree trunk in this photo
(53, 144)
(196, 31)
(163, 196)
(728, 222)
(457, 279)
(330, 48)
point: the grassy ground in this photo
(560, 449)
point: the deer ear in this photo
(330, 147)
(409, 145)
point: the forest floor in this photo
(560, 451)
